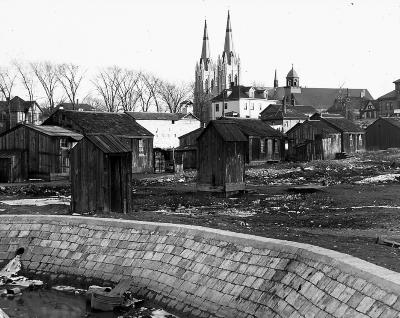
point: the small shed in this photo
(383, 133)
(313, 140)
(186, 154)
(101, 175)
(222, 156)
(264, 143)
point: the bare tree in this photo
(7, 81)
(27, 78)
(128, 93)
(152, 84)
(70, 77)
(46, 73)
(172, 95)
(107, 84)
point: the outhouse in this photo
(101, 175)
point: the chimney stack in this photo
(284, 106)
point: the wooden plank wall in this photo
(41, 152)
(91, 179)
(382, 135)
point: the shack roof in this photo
(318, 125)
(119, 124)
(53, 131)
(108, 143)
(56, 131)
(395, 121)
(228, 130)
(344, 125)
(255, 127)
(160, 116)
(195, 133)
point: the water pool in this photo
(46, 303)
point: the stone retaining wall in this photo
(203, 272)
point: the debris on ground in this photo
(383, 178)
(39, 201)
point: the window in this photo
(173, 122)
(260, 106)
(276, 146)
(226, 105)
(360, 141)
(245, 106)
(141, 147)
(262, 145)
(64, 162)
(63, 143)
(217, 107)
(252, 106)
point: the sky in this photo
(338, 43)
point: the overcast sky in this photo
(334, 43)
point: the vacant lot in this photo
(354, 201)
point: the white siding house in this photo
(166, 127)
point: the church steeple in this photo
(275, 80)
(205, 51)
(228, 47)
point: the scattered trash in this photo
(39, 201)
(384, 178)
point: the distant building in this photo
(240, 101)
(354, 108)
(137, 138)
(212, 77)
(389, 104)
(186, 154)
(282, 117)
(319, 98)
(17, 111)
(324, 136)
(383, 133)
(78, 106)
(166, 127)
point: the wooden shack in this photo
(313, 140)
(352, 136)
(264, 143)
(222, 156)
(101, 175)
(38, 152)
(383, 133)
(186, 154)
(121, 125)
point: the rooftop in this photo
(108, 143)
(159, 116)
(119, 124)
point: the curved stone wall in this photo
(205, 272)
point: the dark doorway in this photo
(5, 169)
(116, 184)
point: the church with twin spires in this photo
(213, 76)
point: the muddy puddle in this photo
(47, 303)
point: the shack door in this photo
(255, 151)
(116, 184)
(5, 169)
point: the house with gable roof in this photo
(119, 125)
(17, 110)
(166, 127)
(383, 133)
(389, 104)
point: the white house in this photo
(240, 101)
(166, 127)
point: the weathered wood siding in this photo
(382, 135)
(41, 153)
(220, 162)
(264, 149)
(353, 142)
(306, 144)
(142, 162)
(92, 177)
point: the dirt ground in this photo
(346, 205)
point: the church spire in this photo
(275, 80)
(228, 47)
(205, 51)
